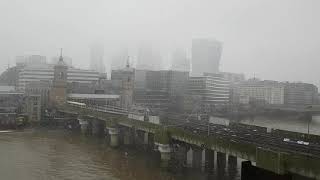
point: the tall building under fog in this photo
(96, 58)
(302, 94)
(207, 91)
(30, 59)
(180, 62)
(119, 59)
(206, 55)
(148, 59)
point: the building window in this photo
(61, 76)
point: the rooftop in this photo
(94, 96)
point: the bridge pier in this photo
(128, 137)
(96, 127)
(165, 153)
(232, 161)
(232, 165)
(83, 125)
(197, 158)
(180, 156)
(146, 138)
(114, 137)
(221, 162)
(146, 141)
(138, 137)
(209, 160)
(189, 157)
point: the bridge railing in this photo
(107, 108)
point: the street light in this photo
(309, 119)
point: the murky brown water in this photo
(53, 154)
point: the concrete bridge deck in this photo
(268, 153)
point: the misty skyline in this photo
(272, 39)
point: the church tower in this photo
(127, 86)
(58, 94)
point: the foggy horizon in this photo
(274, 41)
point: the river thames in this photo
(57, 154)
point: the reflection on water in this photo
(61, 155)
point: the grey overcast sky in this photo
(274, 39)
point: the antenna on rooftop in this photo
(61, 58)
(128, 64)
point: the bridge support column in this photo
(221, 162)
(232, 165)
(114, 137)
(165, 152)
(209, 160)
(189, 157)
(83, 125)
(249, 172)
(96, 129)
(146, 138)
(138, 137)
(128, 138)
(232, 161)
(180, 156)
(197, 158)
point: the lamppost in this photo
(208, 126)
(309, 119)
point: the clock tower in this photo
(58, 94)
(127, 86)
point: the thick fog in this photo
(273, 39)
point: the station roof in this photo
(94, 96)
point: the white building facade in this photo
(45, 72)
(266, 92)
(206, 55)
(209, 89)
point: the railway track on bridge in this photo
(256, 137)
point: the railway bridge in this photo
(272, 153)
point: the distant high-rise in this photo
(30, 59)
(96, 58)
(148, 59)
(300, 94)
(119, 60)
(207, 91)
(180, 62)
(206, 54)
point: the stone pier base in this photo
(114, 137)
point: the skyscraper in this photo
(119, 59)
(180, 62)
(30, 59)
(96, 58)
(148, 58)
(206, 54)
